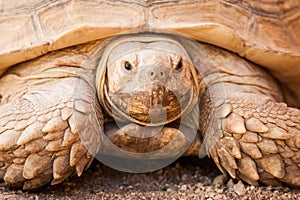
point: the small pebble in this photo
(184, 177)
(177, 165)
(159, 172)
(197, 191)
(230, 183)
(239, 188)
(183, 187)
(219, 180)
(218, 196)
(208, 189)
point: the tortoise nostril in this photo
(156, 75)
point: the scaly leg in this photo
(254, 138)
(49, 133)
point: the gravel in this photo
(187, 178)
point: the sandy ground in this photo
(187, 178)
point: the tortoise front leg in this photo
(258, 139)
(48, 133)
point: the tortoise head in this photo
(148, 80)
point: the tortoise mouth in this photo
(155, 105)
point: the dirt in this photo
(187, 178)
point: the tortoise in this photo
(154, 79)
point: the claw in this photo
(60, 166)
(81, 165)
(77, 152)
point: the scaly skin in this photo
(48, 130)
(259, 141)
(250, 133)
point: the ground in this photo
(187, 178)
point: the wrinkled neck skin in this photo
(148, 81)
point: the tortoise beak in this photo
(153, 105)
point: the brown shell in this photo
(266, 32)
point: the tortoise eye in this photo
(179, 65)
(127, 65)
